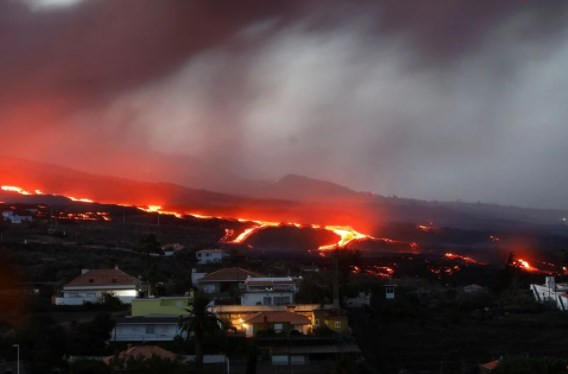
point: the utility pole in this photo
(336, 279)
(17, 346)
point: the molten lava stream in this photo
(346, 234)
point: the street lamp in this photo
(17, 346)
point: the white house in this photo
(224, 280)
(362, 299)
(270, 290)
(207, 256)
(551, 292)
(93, 284)
(146, 329)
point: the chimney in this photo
(84, 271)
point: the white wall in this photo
(139, 333)
(255, 298)
(543, 294)
(94, 296)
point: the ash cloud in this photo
(439, 100)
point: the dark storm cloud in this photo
(436, 99)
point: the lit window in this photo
(337, 324)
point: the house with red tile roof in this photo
(92, 285)
(141, 352)
(277, 321)
(225, 280)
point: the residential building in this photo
(310, 354)
(93, 284)
(141, 352)
(210, 256)
(196, 275)
(236, 315)
(225, 280)
(335, 320)
(270, 290)
(146, 329)
(362, 299)
(163, 306)
(551, 292)
(172, 248)
(283, 321)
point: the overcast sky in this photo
(440, 99)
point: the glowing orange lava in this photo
(346, 234)
(469, 260)
(525, 265)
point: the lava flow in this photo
(346, 234)
(469, 260)
(526, 266)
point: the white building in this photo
(15, 218)
(92, 285)
(210, 256)
(551, 292)
(361, 300)
(270, 290)
(146, 329)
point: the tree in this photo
(198, 323)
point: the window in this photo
(278, 327)
(281, 300)
(113, 280)
(317, 322)
(266, 300)
(91, 280)
(179, 303)
(337, 324)
(150, 329)
(91, 294)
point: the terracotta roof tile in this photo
(103, 277)
(143, 352)
(490, 365)
(229, 275)
(278, 317)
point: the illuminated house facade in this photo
(93, 284)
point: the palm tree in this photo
(199, 322)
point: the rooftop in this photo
(229, 275)
(103, 277)
(143, 352)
